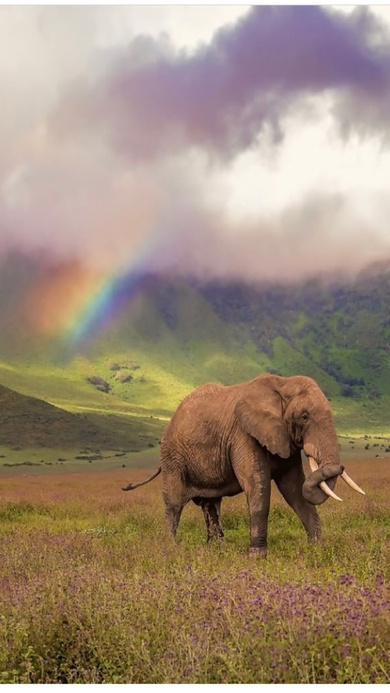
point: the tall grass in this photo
(92, 591)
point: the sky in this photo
(217, 141)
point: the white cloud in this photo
(312, 159)
(81, 196)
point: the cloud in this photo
(318, 239)
(121, 160)
(321, 237)
(155, 101)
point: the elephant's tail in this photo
(130, 487)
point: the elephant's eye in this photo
(305, 417)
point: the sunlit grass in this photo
(93, 591)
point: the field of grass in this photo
(34, 461)
(93, 591)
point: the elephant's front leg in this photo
(289, 478)
(253, 473)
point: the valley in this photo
(110, 395)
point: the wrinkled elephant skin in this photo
(224, 440)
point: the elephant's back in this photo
(205, 397)
(203, 392)
(200, 413)
(196, 442)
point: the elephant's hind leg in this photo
(172, 516)
(175, 498)
(212, 514)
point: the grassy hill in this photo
(30, 422)
(128, 378)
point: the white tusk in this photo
(328, 491)
(323, 485)
(313, 464)
(351, 483)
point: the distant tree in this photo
(354, 381)
(374, 393)
(347, 391)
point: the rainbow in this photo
(102, 305)
(73, 303)
(104, 299)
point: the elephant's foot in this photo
(258, 552)
(212, 538)
(314, 538)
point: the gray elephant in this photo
(223, 440)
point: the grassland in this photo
(92, 590)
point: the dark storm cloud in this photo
(154, 101)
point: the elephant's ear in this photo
(259, 412)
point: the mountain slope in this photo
(31, 422)
(176, 334)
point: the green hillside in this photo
(30, 422)
(178, 334)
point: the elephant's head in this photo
(286, 414)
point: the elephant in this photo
(227, 439)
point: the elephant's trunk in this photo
(320, 482)
(322, 449)
(319, 485)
